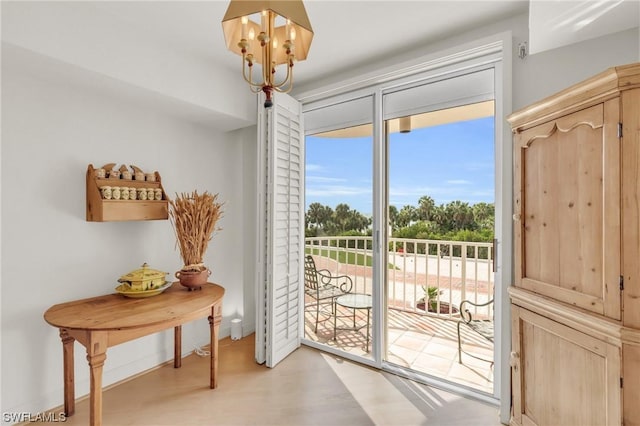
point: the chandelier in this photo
(268, 33)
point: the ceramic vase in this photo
(193, 280)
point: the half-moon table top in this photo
(116, 312)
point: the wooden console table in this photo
(105, 321)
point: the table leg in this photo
(96, 355)
(334, 305)
(69, 382)
(214, 326)
(177, 346)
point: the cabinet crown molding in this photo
(606, 85)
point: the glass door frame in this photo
(441, 382)
(492, 52)
(375, 359)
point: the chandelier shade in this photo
(268, 33)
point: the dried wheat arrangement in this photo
(194, 217)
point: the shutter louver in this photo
(283, 221)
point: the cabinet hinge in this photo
(621, 282)
(619, 130)
(621, 382)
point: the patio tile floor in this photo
(423, 343)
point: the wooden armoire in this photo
(575, 356)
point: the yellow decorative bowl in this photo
(125, 290)
(144, 279)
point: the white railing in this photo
(454, 270)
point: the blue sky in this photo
(447, 162)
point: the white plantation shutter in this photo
(281, 216)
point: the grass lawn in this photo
(348, 258)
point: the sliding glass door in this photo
(338, 219)
(440, 211)
(441, 232)
(399, 283)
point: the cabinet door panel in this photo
(562, 376)
(631, 206)
(567, 195)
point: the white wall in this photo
(534, 77)
(543, 74)
(249, 191)
(107, 38)
(246, 140)
(51, 130)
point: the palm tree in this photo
(393, 217)
(341, 216)
(440, 217)
(460, 214)
(357, 221)
(318, 215)
(426, 204)
(483, 215)
(406, 215)
(313, 215)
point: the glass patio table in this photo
(353, 301)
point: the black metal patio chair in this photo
(484, 327)
(322, 286)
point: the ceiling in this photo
(176, 48)
(347, 33)
(560, 23)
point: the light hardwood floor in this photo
(308, 388)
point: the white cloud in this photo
(459, 182)
(324, 179)
(417, 191)
(336, 190)
(313, 167)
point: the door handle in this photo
(494, 252)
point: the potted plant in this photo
(429, 302)
(194, 218)
(430, 298)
